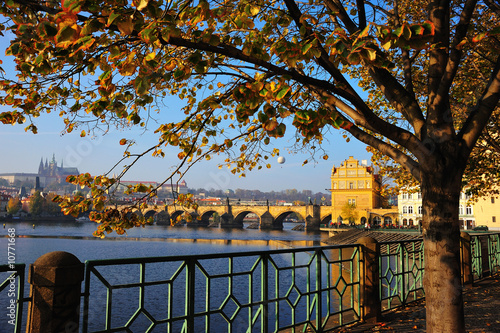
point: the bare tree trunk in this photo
(441, 231)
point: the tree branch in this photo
(411, 165)
(439, 15)
(455, 51)
(481, 113)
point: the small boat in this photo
(83, 219)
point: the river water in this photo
(32, 241)
(76, 238)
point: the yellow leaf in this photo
(140, 4)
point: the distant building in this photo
(487, 212)
(411, 212)
(4, 200)
(48, 173)
(179, 188)
(357, 184)
(164, 190)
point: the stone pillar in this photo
(162, 218)
(371, 307)
(228, 221)
(55, 280)
(267, 222)
(197, 221)
(313, 222)
(466, 258)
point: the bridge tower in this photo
(227, 219)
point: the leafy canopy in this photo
(247, 69)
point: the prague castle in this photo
(48, 172)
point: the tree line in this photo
(288, 195)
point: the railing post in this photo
(371, 307)
(55, 279)
(466, 256)
(485, 254)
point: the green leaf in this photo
(178, 73)
(354, 58)
(47, 29)
(406, 32)
(105, 75)
(306, 48)
(140, 85)
(112, 18)
(364, 32)
(282, 93)
(66, 36)
(72, 6)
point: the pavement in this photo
(481, 307)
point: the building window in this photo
(492, 200)
(405, 210)
(351, 186)
(351, 201)
(419, 195)
(493, 219)
(410, 209)
(461, 210)
(468, 210)
(405, 196)
(420, 210)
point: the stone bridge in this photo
(231, 216)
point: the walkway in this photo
(482, 312)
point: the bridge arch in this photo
(326, 220)
(242, 214)
(207, 215)
(174, 215)
(150, 213)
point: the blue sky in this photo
(22, 151)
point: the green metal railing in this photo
(476, 257)
(401, 271)
(12, 292)
(485, 252)
(494, 253)
(292, 289)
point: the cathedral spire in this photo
(40, 167)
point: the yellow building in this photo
(357, 184)
(487, 212)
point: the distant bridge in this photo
(232, 215)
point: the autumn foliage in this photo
(428, 76)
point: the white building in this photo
(410, 210)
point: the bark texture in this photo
(442, 283)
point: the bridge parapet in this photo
(232, 215)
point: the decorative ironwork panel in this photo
(476, 257)
(401, 273)
(494, 253)
(315, 289)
